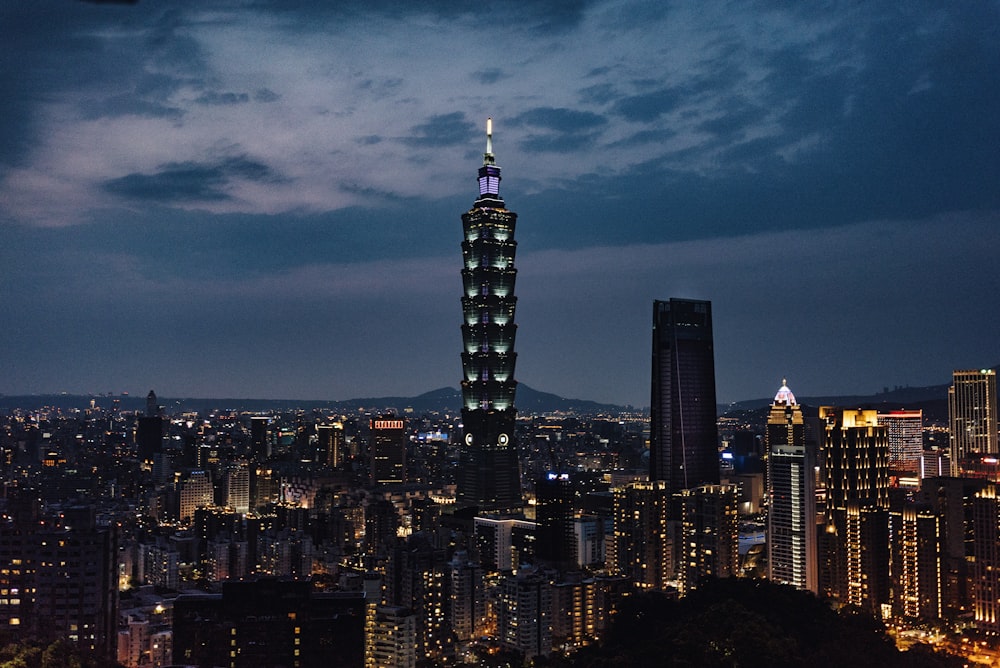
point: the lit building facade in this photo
(194, 490)
(683, 443)
(791, 489)
(972, 414)
(642, 546)
(59, 579)
(905, 431)
(388, 451)
(330, 446)
(709, 534)
(555, 540)
(270, 622)
(524, 614)
(489, 475)
(390, 637)
(466, 610)
(856, 478)
(915, 550)
(986, 567)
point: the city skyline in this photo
(259, 201)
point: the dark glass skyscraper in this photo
(488, 477)
(683, 441)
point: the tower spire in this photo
(488, 156)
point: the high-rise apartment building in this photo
(683, 444)
(972, 413)
(986, 565)
(524, 614)
(59, 578)
(390, 637)
(791, 490)
(489, 476)
(270, 622)
(905, 430)
(642, 546)
(388, 451)
(915, 550)
(709, 541)
(466, 587)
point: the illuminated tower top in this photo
(784, 395)
(489, 175)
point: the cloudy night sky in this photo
(223, 198)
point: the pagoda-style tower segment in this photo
(489, 476)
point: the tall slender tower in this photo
(972, 412)
(488, 476)
(791, 487)
(683, 447)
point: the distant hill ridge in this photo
(442, 400)
(933, 399)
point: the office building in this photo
(236, 484)
(194, 490)
(260, 438)
(683, 439)
(330, 444)
(791, 491)
(387, 448)
(149, 431)
(972, 414)
(489, 475)
(856, 479)
(905, 431)
(555, 541)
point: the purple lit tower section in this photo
(489, 477)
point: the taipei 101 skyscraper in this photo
(488, 476)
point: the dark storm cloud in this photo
(127, 105)
(265, 95)
(49, 47)
(189, 181)
(222, 98)
(598, 94)
(442, 130)
(540, 16)
(562, 130)
(562, 120)
(738, 115)
(644, 137)
(488, 76)
(646, 107)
